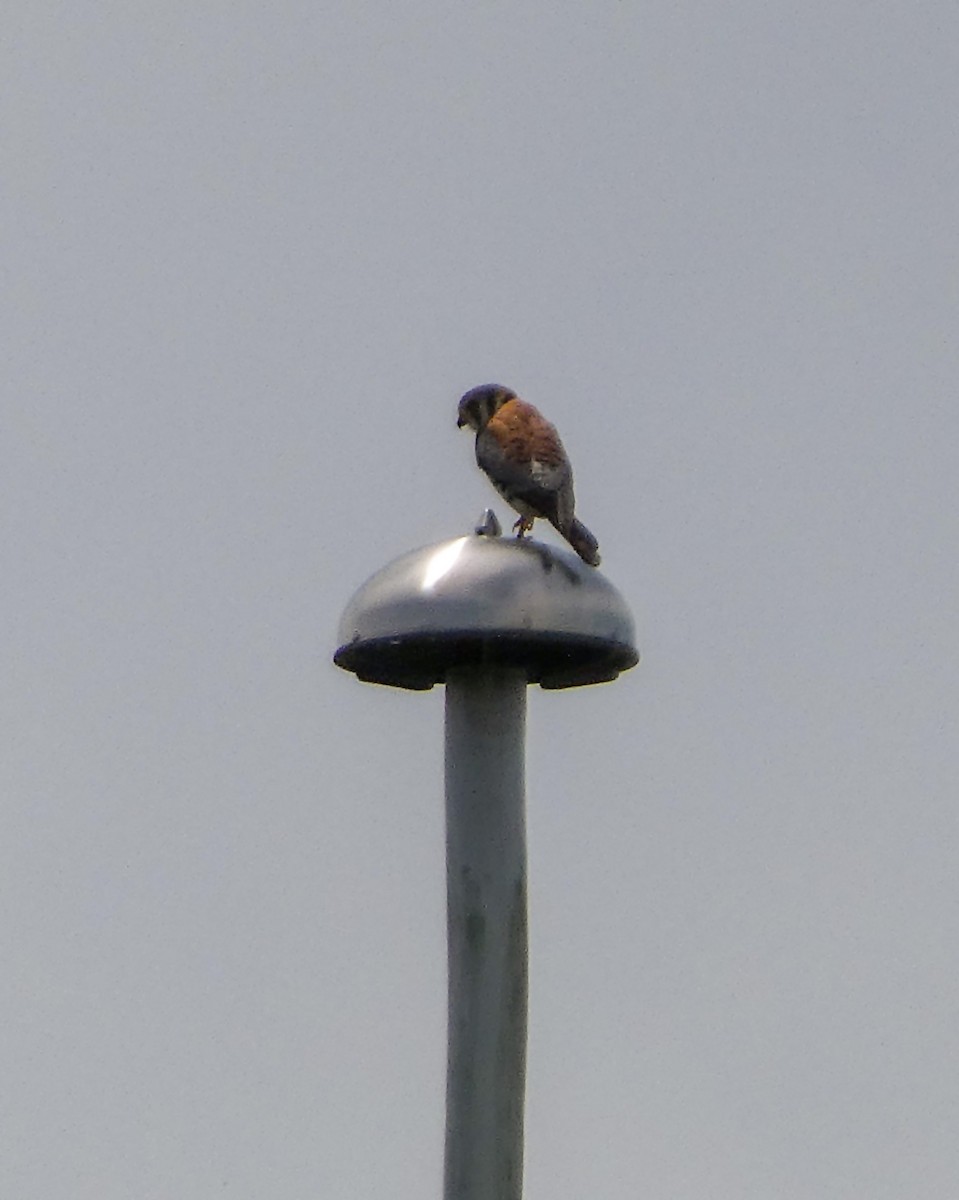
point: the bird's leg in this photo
(523, 526)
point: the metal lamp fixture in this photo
(486, 616)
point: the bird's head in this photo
(480, 403)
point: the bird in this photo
(524, 458)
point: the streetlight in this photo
(486, 616)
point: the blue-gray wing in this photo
(543, 484)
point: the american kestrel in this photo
(522, 454)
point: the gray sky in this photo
(252, 256)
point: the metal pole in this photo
(486, 898)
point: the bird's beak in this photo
(460, 422)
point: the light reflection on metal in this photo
(442, 562)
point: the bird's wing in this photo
(522, 454)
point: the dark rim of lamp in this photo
(417, 661)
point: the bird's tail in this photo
(583, 542)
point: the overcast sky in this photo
(253, 253)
